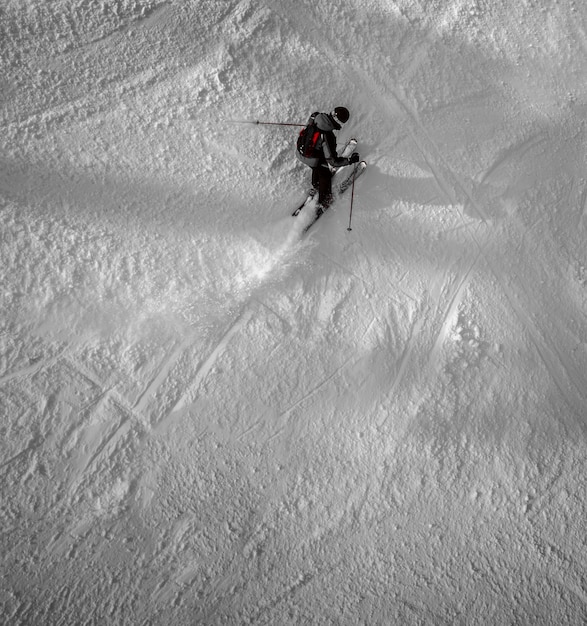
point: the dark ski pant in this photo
(322, 181)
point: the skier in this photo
(317, 149)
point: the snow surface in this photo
(206, 418)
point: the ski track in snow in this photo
(209, 418)
(207, 364)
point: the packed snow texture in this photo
(207, 418)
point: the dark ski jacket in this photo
(327, 144)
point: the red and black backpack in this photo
(309, 139)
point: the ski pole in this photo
(265, 123)
(352, 198)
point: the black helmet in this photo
(341, 115)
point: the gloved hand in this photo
(354, 158)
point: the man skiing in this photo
(317, 148)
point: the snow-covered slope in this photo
(207, 418)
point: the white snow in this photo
(207, 418)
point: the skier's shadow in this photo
(384, 188)
(427, 190)
(416, 190)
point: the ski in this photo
(349, 148)
(358, 169)
(348, 181)
(309, 197)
